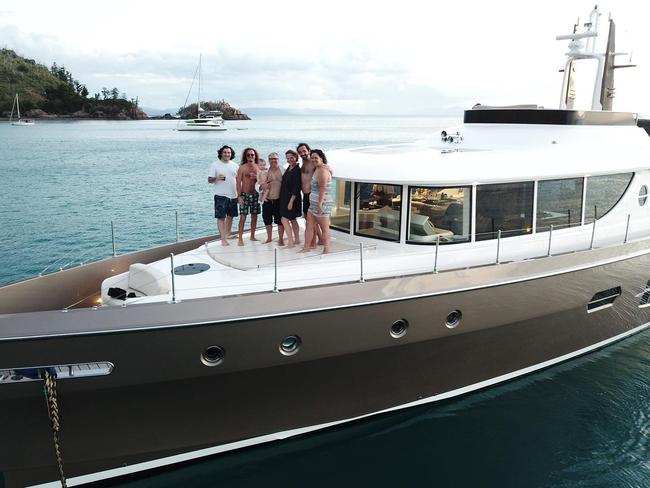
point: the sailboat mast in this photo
(13, 106)
(198, 103)
(18, 106)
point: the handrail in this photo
(444, 259)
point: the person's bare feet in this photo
(252, 238)
(306, 249)
(267, 241)
(225, 243)
(326, 251)
(281, 244)
(240, 243)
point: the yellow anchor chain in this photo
(55, 419)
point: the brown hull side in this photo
(161, 400)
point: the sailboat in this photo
(19, 121)
(206, 120)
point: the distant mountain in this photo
(284, 111)
(153, 112)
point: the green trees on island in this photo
(46, 92)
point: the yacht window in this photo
(378, 210)
(507, 207)
(443, 212)
(603, 192)
(340, 217)
(559, 203)
(643, 195)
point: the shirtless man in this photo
(306, 172)
(248, 197)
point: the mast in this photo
(603, 93)
(198, 103)
(18, 106)
(13, 106)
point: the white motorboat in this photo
(515, 241)
(19, 121)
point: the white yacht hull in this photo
(189, 126)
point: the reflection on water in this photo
(585, 423)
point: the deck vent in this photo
(399, 328)
(453, 319)
(290, 345)
(603, 299)
(213, 355)
(645, 296)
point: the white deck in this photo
(236, 270)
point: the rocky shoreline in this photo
(37, 114)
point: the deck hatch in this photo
(603, 299)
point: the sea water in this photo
(585, 423)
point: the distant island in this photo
(229, 112)
(53, 93)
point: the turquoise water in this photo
(64, 182)
(582, 424)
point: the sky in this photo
(357, 57)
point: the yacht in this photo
(19, 121)
(206, 120)
(510, 243)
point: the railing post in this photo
(275, 270)
(498, 244)
(171, 259)
(177, 235)
(550, 237)
(593, 233)
(113, 237)
(361, 279)
(627, 228)
(435, 262)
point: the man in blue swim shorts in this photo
(222, 175)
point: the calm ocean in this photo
(582, 424)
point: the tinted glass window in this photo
(603, 192)
(507, 207)
(340, 217)
(559, 203)
(378, 210)
(443, 212)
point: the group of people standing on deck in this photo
(281, 195)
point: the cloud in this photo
(351, 56)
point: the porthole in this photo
(643, 195)
(453, 318)
(290, 345)
(213, 355)
(399, 328)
